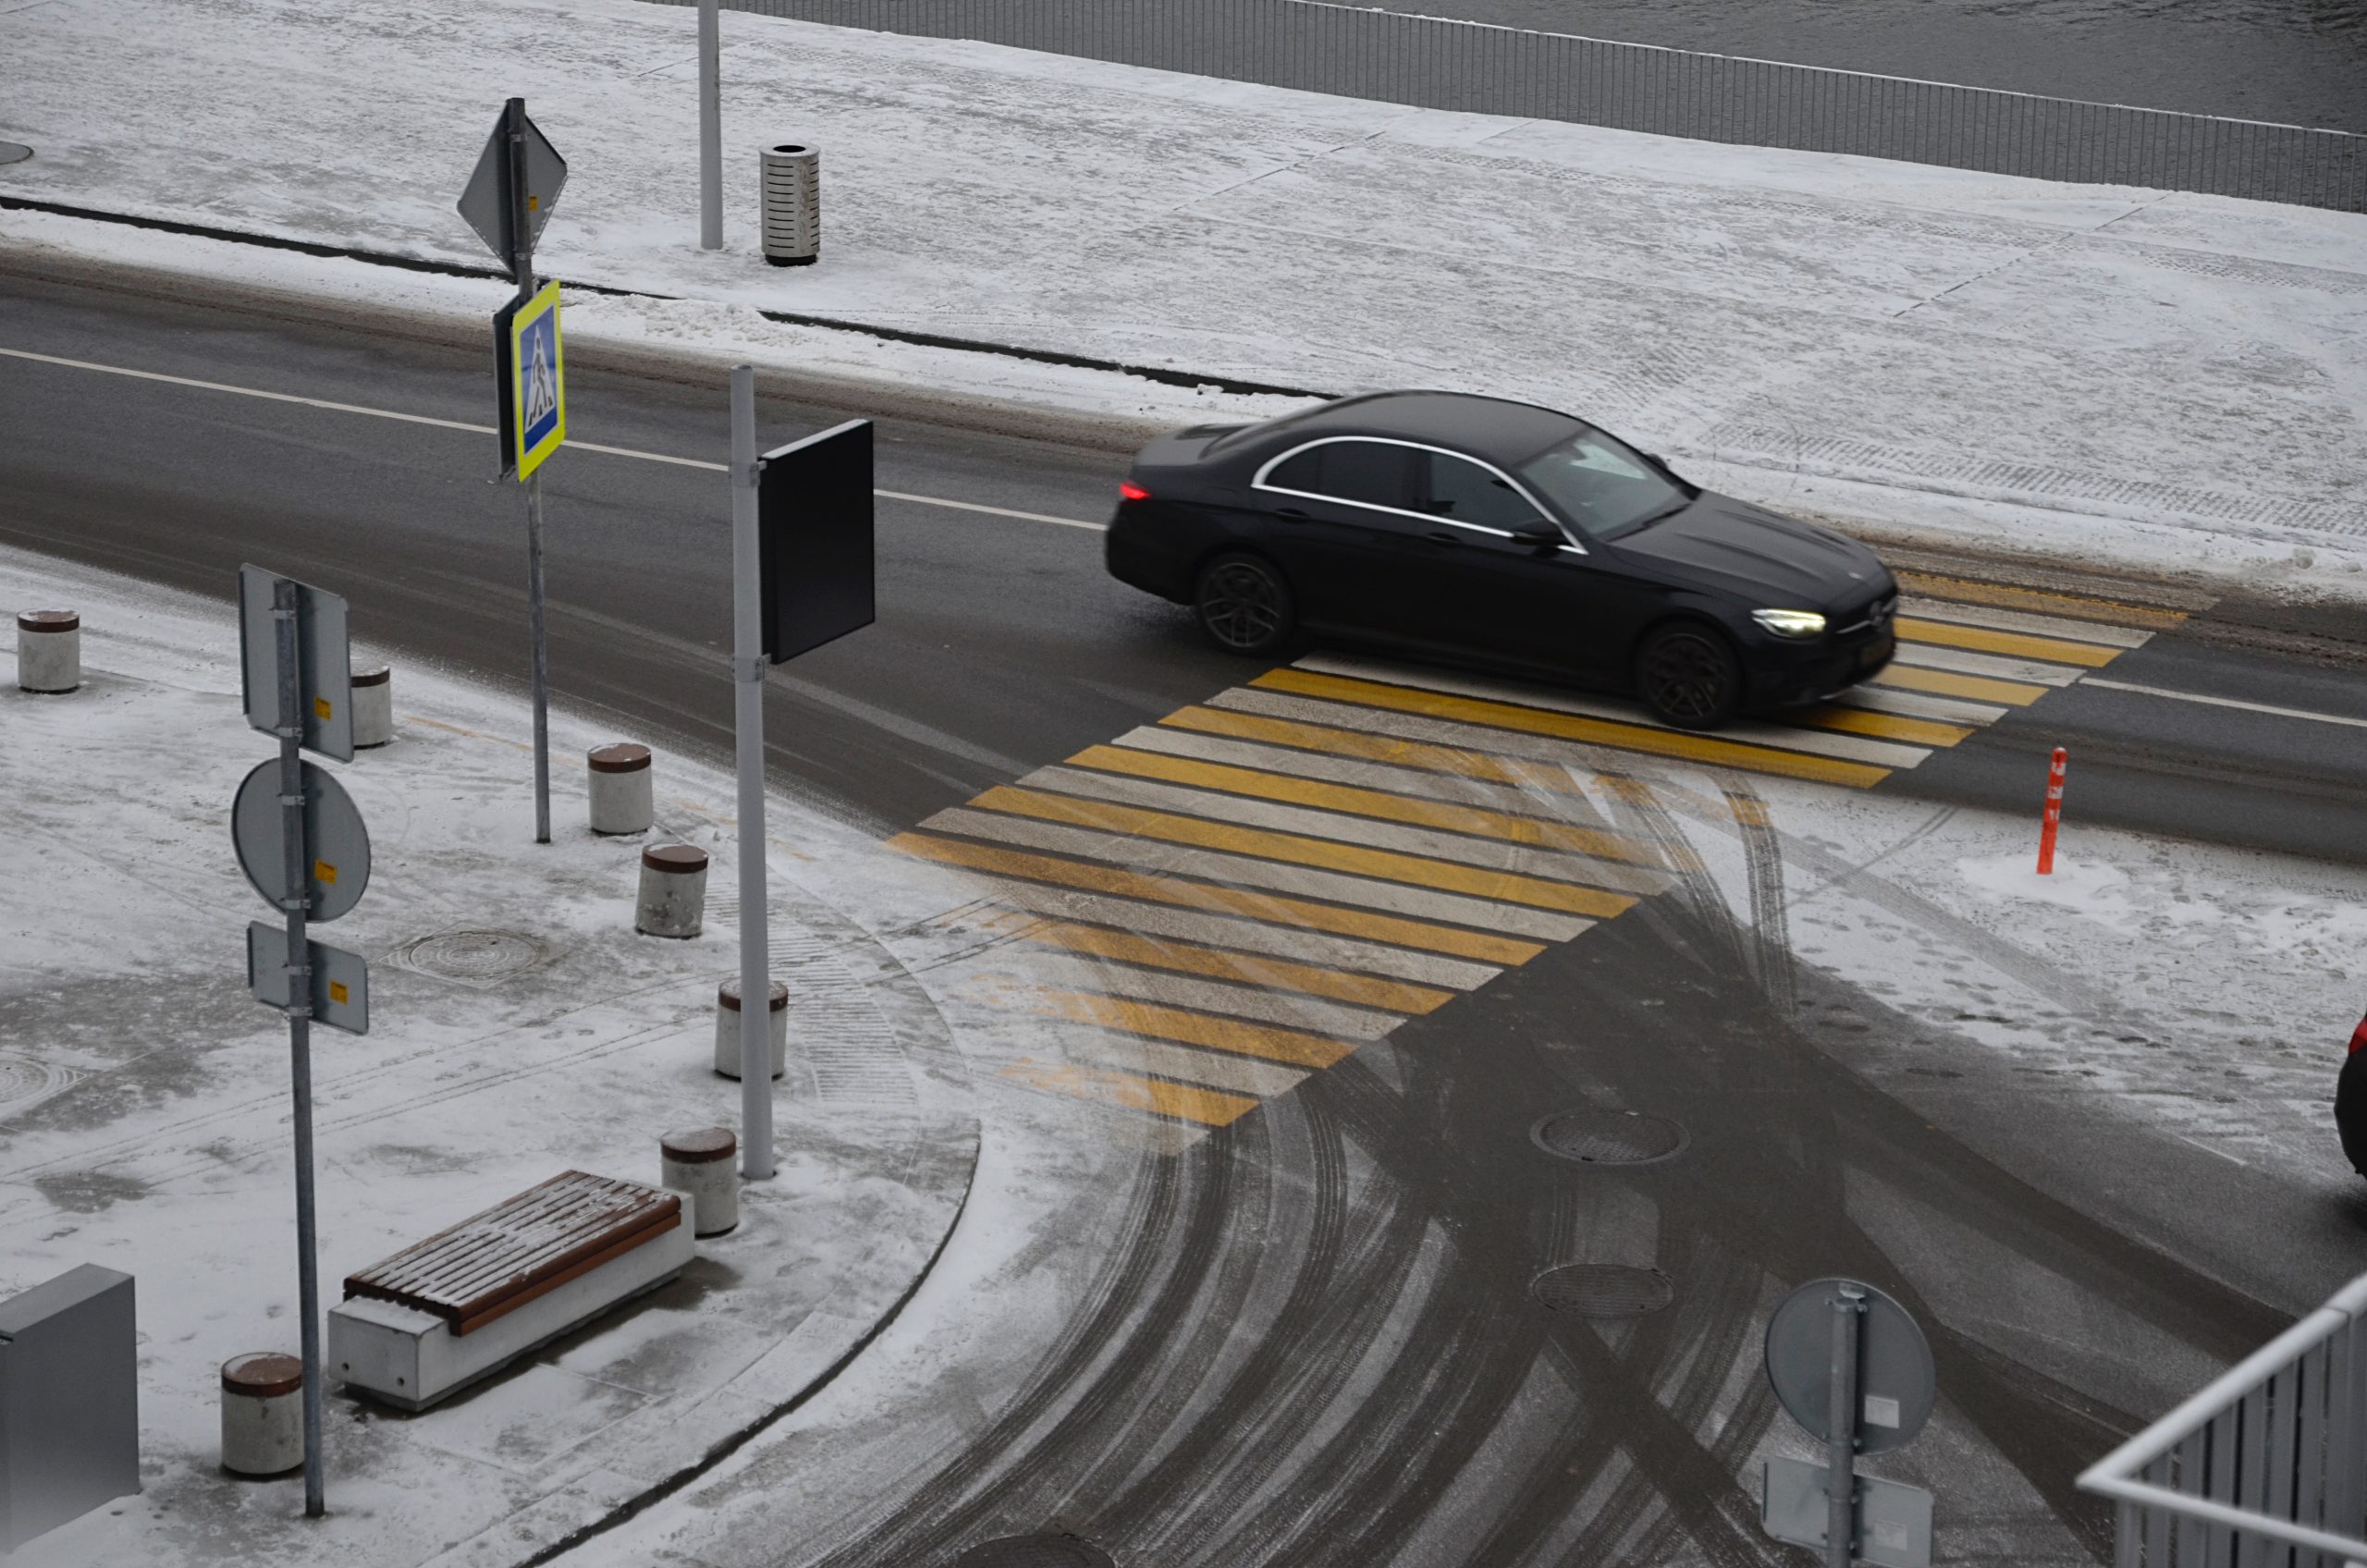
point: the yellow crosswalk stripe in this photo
(2022, 645)
(1190, 958)
(1390, 865)
(2042, 602)
(1118, 883)
(1211, 1107)
(1680, 744)
(1270, 1041)
(1360, 802)
(1887, 726)
(1946, 683)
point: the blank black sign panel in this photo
(814, 540)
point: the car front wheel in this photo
(1245, 604)
(1689, 678)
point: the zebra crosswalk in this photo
(1259, 884)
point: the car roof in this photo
(1498, 429)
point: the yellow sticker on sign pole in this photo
(537, 388)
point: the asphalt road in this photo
(1001, 648)
(1000, 645)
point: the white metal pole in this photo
(711, 129)
(748, 711)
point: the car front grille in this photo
(1875, 616)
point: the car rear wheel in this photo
(1245, 604)
(1688, 676)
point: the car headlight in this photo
(1790, 623)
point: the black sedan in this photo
(1478, 529)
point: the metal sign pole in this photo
(300, 1017)
(1841, 1430)
(748, 704)
(521, 267)
(710, 126)
(541, 659)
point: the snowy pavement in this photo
(2168, 381)
(520, 1028)
(2151, 1031)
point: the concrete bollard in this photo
(373, 705)
(727, 1028)
(697, 1164)
(263, 1413)
(621, 784)
(673, 891)
(49, 650)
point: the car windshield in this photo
(1603, 488)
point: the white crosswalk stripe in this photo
(1237, 933)
(1922, 705)
(1996, 667)
(1996, 620)
(1566, 802)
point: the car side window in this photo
(1462, 491)
(1375, 473)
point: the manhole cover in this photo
(14, 152)
(1036, 1551)
(1609, 1137)
(1603, 1290)
(474, 958)
(22, 1080)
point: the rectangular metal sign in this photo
(324, 655)
(1893, 1519)
(814, 525)
(340, 979)
(484, 201)
(534, 382)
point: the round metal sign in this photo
(336, 843)
(1897, 1383)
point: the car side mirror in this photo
(1539, 536)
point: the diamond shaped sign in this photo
(482, 203)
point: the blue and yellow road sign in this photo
(537, 389)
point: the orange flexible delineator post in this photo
(2054, 811)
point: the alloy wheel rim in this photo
(1241, 606)
(1687, 678)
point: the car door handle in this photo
(1290, 514)
(1445, 536)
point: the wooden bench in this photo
(457, 1306)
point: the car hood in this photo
(1775, 561)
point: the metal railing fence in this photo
(1442, 63)
(2264, 1468)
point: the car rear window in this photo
(1374, 472)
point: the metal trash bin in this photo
(792, 193)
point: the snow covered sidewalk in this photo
(2161, 380)
(520, 1028)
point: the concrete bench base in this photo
(410, 1359)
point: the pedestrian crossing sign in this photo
(537, 390)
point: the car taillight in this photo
(1131, 491)
(2359, 1038)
